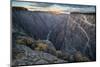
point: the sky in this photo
(41, 6)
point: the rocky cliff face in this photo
(69, 33)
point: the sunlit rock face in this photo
(68, 32)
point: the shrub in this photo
(24, 40)
(41, 47)
(80, 58)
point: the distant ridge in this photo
(19, 8)
(89, 13)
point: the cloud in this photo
(41, 4)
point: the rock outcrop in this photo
(23, 55)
